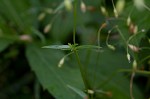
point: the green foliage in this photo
(90, 54)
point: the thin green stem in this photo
(81, 69)
(75, 20)
(98, 36)
(99, 32)
(121, 35)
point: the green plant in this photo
(105, 48)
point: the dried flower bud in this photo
(41, 16)
(133, 28)
(68, 5)
(120, 6)
(47, 28)
(25, 37)
(134, 48)
(83, 7)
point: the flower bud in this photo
(68, 5)
(47, 28)
(104, 11)
(61, 62)
(134, 65)
(129, 57)
(83, 7)
(139, 4)
(41, 16)
(120, 6)
(111, 47)
(134, 48)
(128, 21)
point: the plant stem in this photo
(81, 69)
(75, 51)
(75, 19)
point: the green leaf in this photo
(78, 91)
(88, 47)
(103, 74)
(60, 47)
(44, 63)
(4, 43)
(100, 75)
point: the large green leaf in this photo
(55, 80)
(103, 74)
(44, 63)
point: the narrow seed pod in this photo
(83, 7)
(120, 6)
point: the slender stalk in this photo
(75, 51)
(75, 20)
(81, 69)
(131, 85)
(99, 31)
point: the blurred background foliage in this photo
(29, 72)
